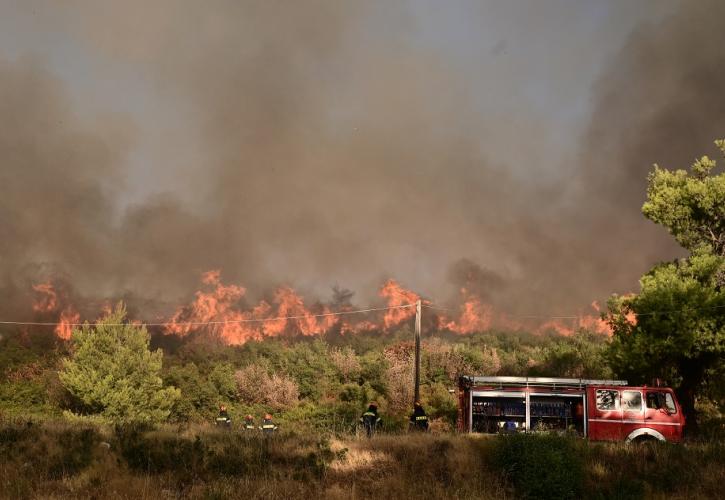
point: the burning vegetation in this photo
(223, 311)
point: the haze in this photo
(501, 146)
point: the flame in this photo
(48, 302)
(218, 308)
(475, 317)
(288, 303)
(593, 323)
(68, 318)
(396, 296)
(51, 302)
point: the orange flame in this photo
(396, 296)
(219, 308)
(50, 303)
(68, 318)
(475, 317)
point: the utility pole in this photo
(416, 397)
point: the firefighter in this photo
(268, 426)
(370, 419)
(249, 423)
(223, 418)
(419, 420)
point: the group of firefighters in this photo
(268, 426)
(370, 420)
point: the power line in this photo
(207, 323)
(340, 313)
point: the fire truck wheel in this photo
(644, 435)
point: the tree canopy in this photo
(113, 373)
(690, 205)
(674, 328)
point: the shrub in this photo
(199, 398)
(222, 378)
(48, 452)
(347, 364)
(540, 466)
(158, 452)
(256, 386)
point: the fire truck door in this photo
(632, 411)
(661, 414)
(604, 414)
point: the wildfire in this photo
(220, 309)
(475, 317)
(396, 296)
(68, 318)
(48, 302)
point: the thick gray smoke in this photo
(660, 101)
(331, 149)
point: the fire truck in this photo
(602, 410)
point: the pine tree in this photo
(679, 331)
(113, 373)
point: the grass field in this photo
(57, 459)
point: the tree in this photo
(199, 399)
(690, 206)
(674, 329)
(113, 373)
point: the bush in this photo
(540, 466)
(48, 452)
(257, 386)
(198, 399)
(154, 453)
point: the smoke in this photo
(331, 146)
(659, 101)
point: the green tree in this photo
(113, 373)
(690, 205)
(199, 399)
(674, 328)
(581, 356)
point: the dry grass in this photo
(62, 460)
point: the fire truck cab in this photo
(602, 410)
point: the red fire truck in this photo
(603, 410)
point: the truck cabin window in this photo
(607, 400)
(661, 401)
(631, 401)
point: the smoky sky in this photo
(325, 143)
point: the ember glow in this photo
(221, 309)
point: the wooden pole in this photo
(416, 397)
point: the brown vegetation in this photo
(61, 460)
